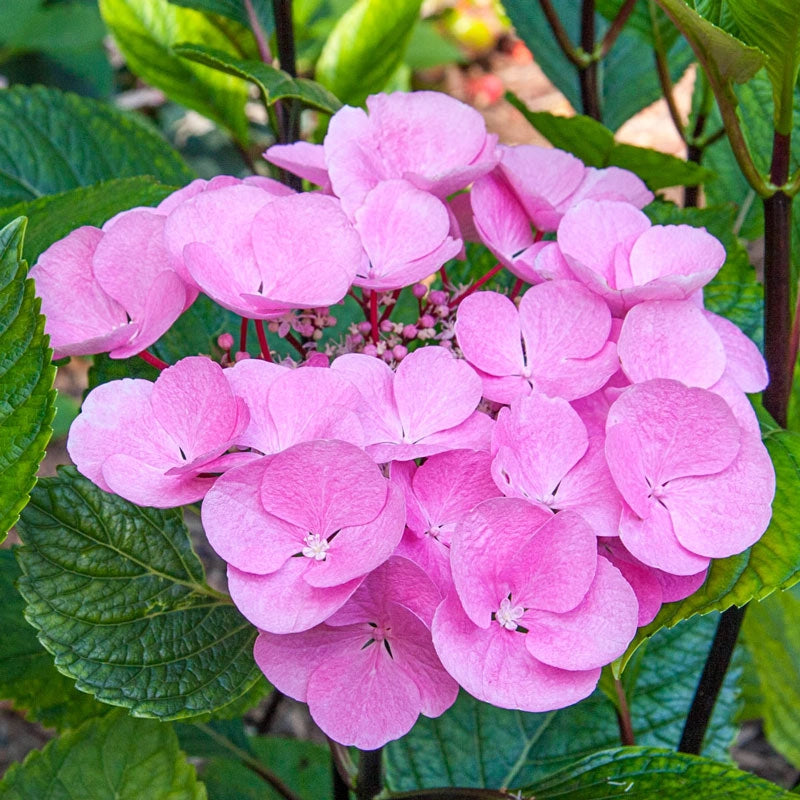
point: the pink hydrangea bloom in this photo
(288, 406)
(260, 253)
(110, 290)
(651, 586)
(156, 444)
(405, 233)
(556, 343)
(437, 495)
(303, 159)
(371, 669)
(428, 405)
(300, 530)
(613, 249)
(535, 612)
(542, 452)
(696, 485)
(410, 136)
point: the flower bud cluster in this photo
(499, 498)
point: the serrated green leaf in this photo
(366, 47)
(147, 30)
(112, 758)
(119, 598)
(53, 216)
(639, 773)
(274, 83)
(773, 562)
(475, 744)
(27, 675)
(235, 10)
(773, 643)
(26, 379)
(595, 145)
(773, 26)
(52, 141)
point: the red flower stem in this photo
(538, 237)
(387, 312)
(443, 276)
(152, 360)
(517, 288)
(262, 340)
(373, 316)
(477, 285)
(293, 341)
(243, 334)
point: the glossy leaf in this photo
(112, 758)
(52, 141)
(26, 379)
(147, 30)
(27, 675)
(641, 773)
(475, 744)
(274, 84)
(53, 216)
(119, 598)
(366, 47)
(235, 10)
(595, 145)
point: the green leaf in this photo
(595, 145)
(52, 142)
(112, 758)
(304, 767)
(235, 10)
(26, 379)
(274, 84)
(428, 48)
(366, 47)
(628, 78)
(27, 675)
(773, 562)
(53, 216)
(147, 30)
(773, 26)
(119, 598)
(773, 643)
(642, 773)
(475, 744)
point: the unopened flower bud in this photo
(225, 341)
(439, 297)
(399, 351)
(387, 325)
(241, 355)
(370, 350)
(427, 321)
(420, 290)
(410, 331)
(364, 328)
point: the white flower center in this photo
(316, 547)
(507, 615)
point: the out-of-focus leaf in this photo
(235, 10)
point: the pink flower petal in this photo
(745, 364)
(612, 183)
(301, 158)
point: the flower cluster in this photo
(494, 494)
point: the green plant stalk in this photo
(369, 782)
(576, 58)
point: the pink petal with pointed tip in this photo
(323, 486)
(434, 391)
(301, 158)
(670, 339)
(282, 602)
(594, 633)
(494, 666)
(501, 353)
(240, 530)
(745, 364)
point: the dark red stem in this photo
(590, 92)
(152, 360)
(293, 341)
(262, 340)
(387, 312)
(517, 288)
(243, 334)
(373, 316)
(477, 285)
(624, 715)
(443, 276)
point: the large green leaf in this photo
(119, 598)
(235, 10)
(366, 47)
(53, 216)
(52, 142)
(772, 637)
(27, 675)
(475, 744)
(774, 27)
(274, 84)
(595, 145)
(773, 562)
(26, 379)
(112, 758)
(642, 773)
(147, 30)
(628, 78)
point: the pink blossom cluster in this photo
(497, 505)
